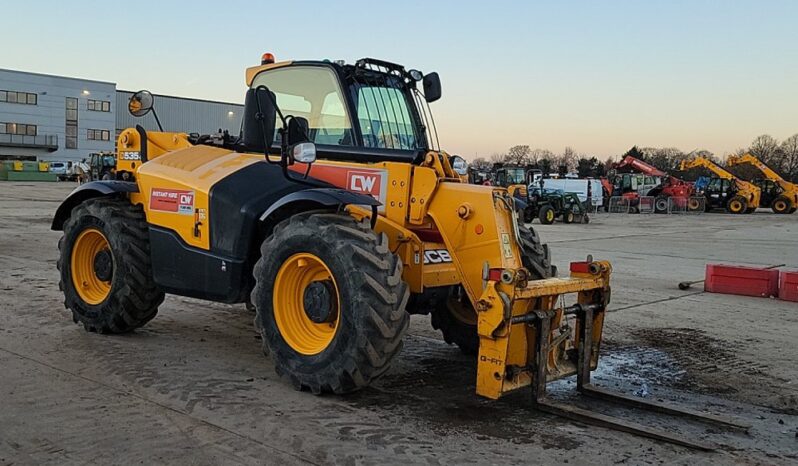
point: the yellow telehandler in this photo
(725, 191)
(777, 193)
(337, 216)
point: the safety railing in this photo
(694, 205)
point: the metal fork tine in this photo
(603, 420)
(596, 392)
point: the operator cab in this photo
(369, 111)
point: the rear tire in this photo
(370, 318)
(129, 298)
(455, 317)
(782, 205)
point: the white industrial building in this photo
(57, 118)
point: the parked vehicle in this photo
(549, 205)
(589, 191)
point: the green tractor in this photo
(549, 205)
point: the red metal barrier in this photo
(788, 286)
(741, 280)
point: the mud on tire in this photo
(372, 297)
(462, 332)
(133, 298)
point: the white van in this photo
(583, 188)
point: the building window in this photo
(98, 135)
(18, 129)
(14, 97)
(99, 105)
(71, 123)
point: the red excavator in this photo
(651, 182)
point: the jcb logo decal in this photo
(437, 256)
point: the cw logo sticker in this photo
(362, 183)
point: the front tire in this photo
(546, 215)
(330, 302)
(736, 205)
(105, 266)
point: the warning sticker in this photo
(508, 249)
(172, 200)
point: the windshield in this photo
(313, 93)
(384, 116)
(516, 176)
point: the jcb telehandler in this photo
(725, 191)
(777, 193)
(334, 255)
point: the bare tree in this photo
(540, 154)
(789, 150)
(518, 155)
(498, 158)
(766, 149)
(480, 164)
(567, 159)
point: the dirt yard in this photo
(193, 387)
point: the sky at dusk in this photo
(598, 76)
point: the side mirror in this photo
(304, 152)
(459, 165)
(260, 117)
(432, 87)
(298, 128)
(140, 103)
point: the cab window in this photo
(313, 93)
(384, 116)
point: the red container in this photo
(741, 280)
(788, 286)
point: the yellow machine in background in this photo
(335, 253)
(777, 193)
(736, 196)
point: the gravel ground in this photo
(192, 387)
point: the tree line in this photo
(782, 157)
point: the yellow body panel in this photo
(128, 147)
(195, 169)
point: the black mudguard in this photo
(326, 197)
(88, 191)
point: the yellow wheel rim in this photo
(781, 205)
(736, 206)
(550, 215)
(297, 329)
(91, 289)
(693, 204)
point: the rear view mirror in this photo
(140, 103)
(304, 152)
(297, 130)
(260, 117)
(432, 87)
(459, 165)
